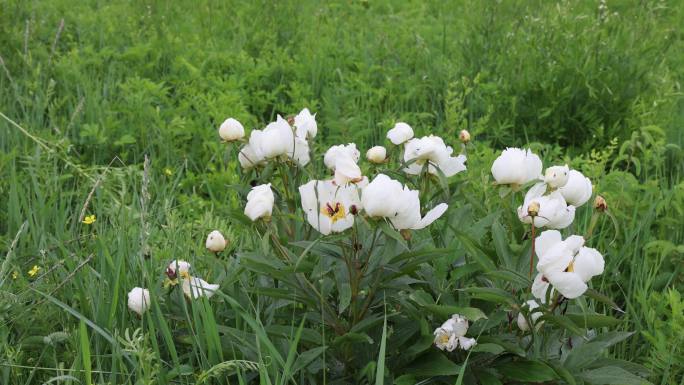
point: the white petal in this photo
(568, 284)
(588, 263)
(577, 190)
(197, 287)
(546, 240)
(540, 287)
(467, 343)
(431, 216)
(400, 133)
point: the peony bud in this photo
(464, 136)
(533, 209)
(376, 154)
(139, 300)
(216, 242)
(231, 130)
(600, 204)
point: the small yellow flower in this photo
(168, 171)
(89, 219)
(34, 270)
(15, 275)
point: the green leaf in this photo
(591, 293)
(501, 244)
(565, 323)
(611, 375)
(489, 348)
(491, 294)
(392, 233)
(527, 370)
(445, 311)
(85, 352)
(476, 252)
(515, 278)
(588, 321)
(433, 364)
(406, 379)
(380, 370)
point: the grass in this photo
(90, 90)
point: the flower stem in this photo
(532, 253)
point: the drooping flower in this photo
(231, 130)
(556, 176)
(139, 300)
(194, 288)
(552, 212)
(432, 150)
(376, 154)
(534, 316)
(516, 167)
(578, 189)
(452, 333)
(400, 133)
(305, 124)
(260, 202)
(385, 197)
(565, 264)
(216, 242)
(330, 207)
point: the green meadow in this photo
(112, 167)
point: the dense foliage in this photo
(112, 168)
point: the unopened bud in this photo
(600, 204)
(406, 234)
(464, 136)
(291, 120)
(533, 209)
(354, 210)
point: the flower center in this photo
(571, 267)
(444, 338)
(335, 213)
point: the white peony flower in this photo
(139, 300)
(452, 333)
(557, 176)
(305, 124)
(400, 133)
(248, 158)
(376, 154)
(231, 130)
(194, 288)
(433, 150)
(385, 197)
(534, 316)
(276, 140)
(330, 207)
(553, 212)
(216, 242)
(260, 202)
(577, 190)
(346, 171)
(339, 151)
(565, 264)
(178, 268)
(516, 166)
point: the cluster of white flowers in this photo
(565, 189)
(331, 205)
(451, 334)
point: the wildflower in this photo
(278, 139)
(552, 210)
(578, 189)
(34, 271)
(248, 158)
(565, 264)
(556, 176)
(216, 242)
(600, 203)
(194, 288)
(168, 171)
(385, 197)
(452, 333)
(516, 167)
(305, 124)
(534, 316)
(328, 207)
(231, 130)
(432, 150)
(15, 275)
(89, 219)
(178, 268)
(376, 154)
(139, 300)
(342, 159)
(464, 136)
(400, 133)
(260, 202)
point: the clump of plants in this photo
(390, 281)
